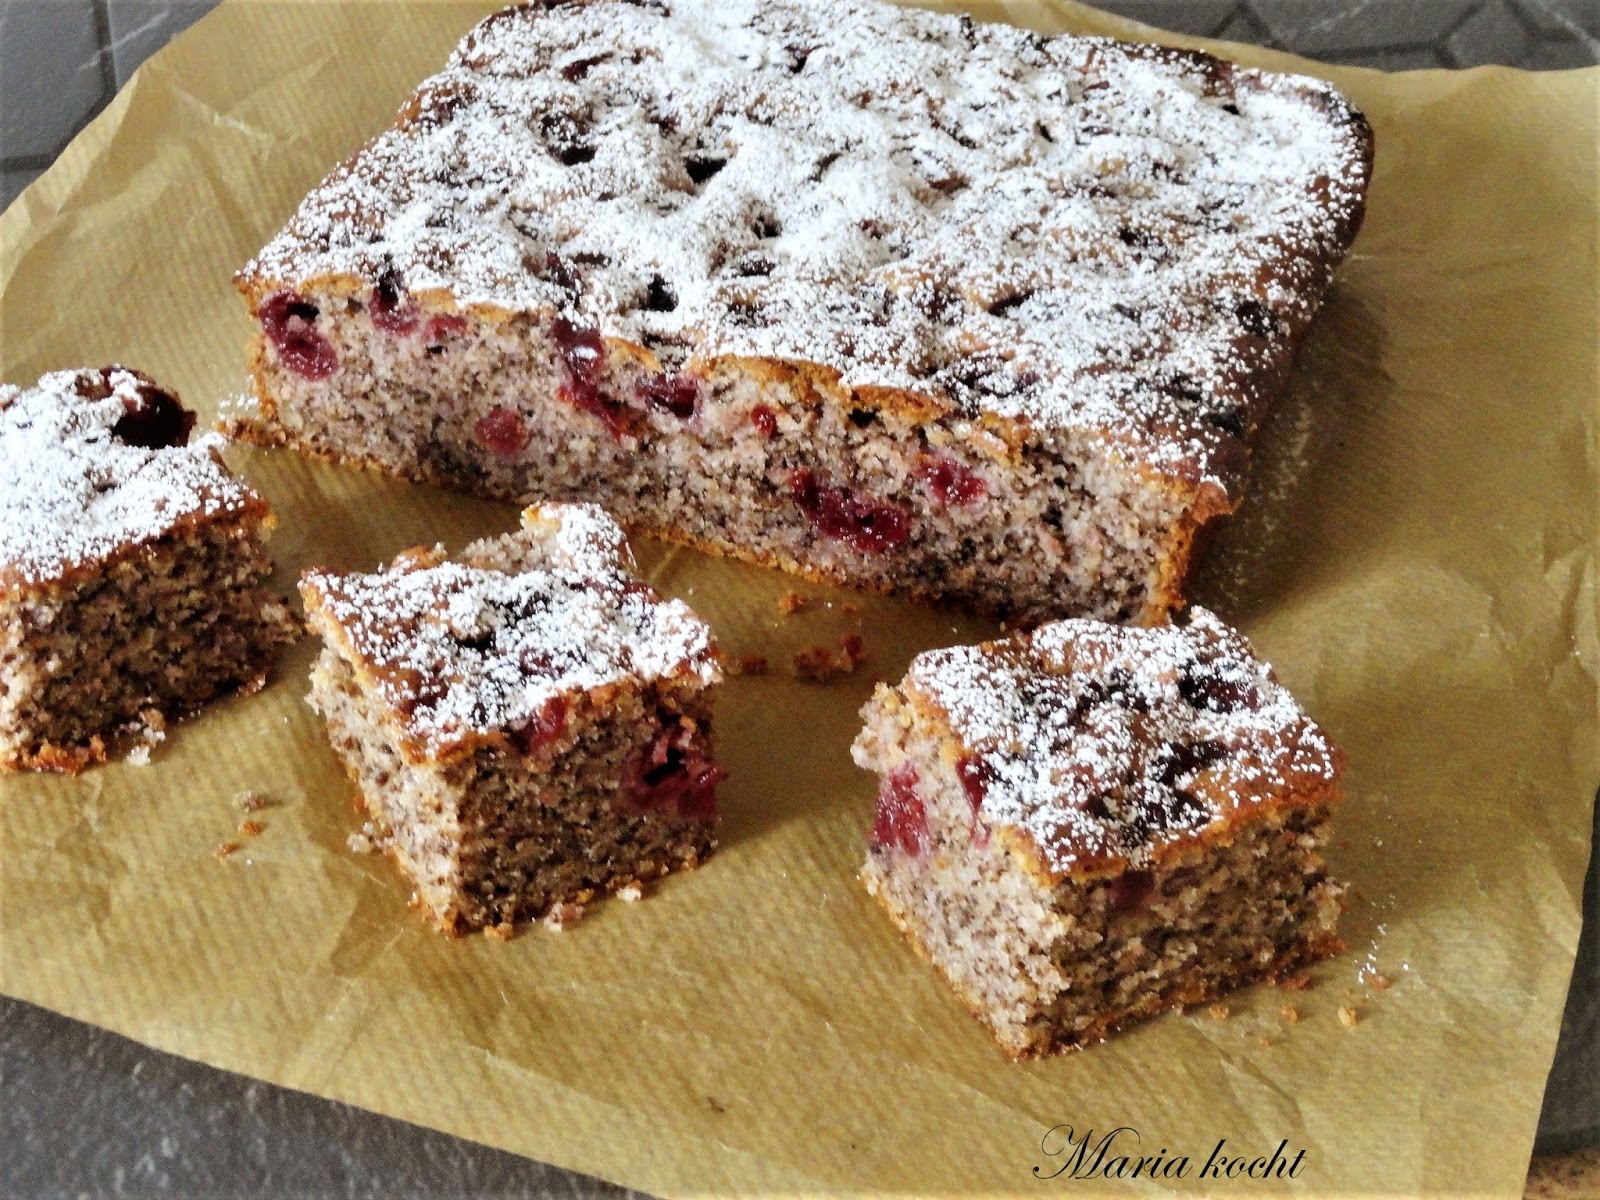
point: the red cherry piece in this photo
(675, 394)
(673, 776)
(582, 352)
(442, 327)
(544, 726)
(901, 820)
(154, 420)
(764, 419)
(290, 323)
(391, 309)
(949, 481)
(867, 525)
(502, 432)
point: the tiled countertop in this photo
(88, 1113)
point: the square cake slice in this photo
(132, 566)
(528, 724)
(1090, 824)
(881, 296)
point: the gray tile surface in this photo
(85, 1113)
(51, 75)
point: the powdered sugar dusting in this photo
(1103, 742)
(1070, 232)
(459, 650)
(74, 489)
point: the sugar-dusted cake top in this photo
(1106, 743)
(476, 648)
(1070, 232)
(95, 462)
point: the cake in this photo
(132, 568)
(527, 723)
(1090, 824)
(879, 296)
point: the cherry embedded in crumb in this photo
(544, 726)
(764, 419)
(582, 352)
(1208, 688)
(1129, 890)
(867, 525)
(674, 776)
(975, 776)
(445, 325)
(502, 432)
(290, 323)
(155, 420)
(675, 394)
(900, 819)
(391, 308)
(951, 482)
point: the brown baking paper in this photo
(1417, 557)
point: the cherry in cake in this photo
(528, 724)
(881, 296)
(132, 567)
(1087, 825)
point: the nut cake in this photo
(879, 296)
(132, 565)
(1090, 824)
(528, 724)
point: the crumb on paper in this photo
(750, 664)
(251, 828)
(139, 756)
(561, 916)
(362, 841)
(224, 849)
(814, 664)
(819, 663)
(1382, 982)
(853, 649)
(793, 602)
(1348, 1017)
(249, 800)
(503, 932)
(1219, 1012)
(1291, 1014)
(1264, 1043)
(1295, 983)
(849, 606)
(631, 892)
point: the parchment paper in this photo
(1417, 558)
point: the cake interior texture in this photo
(875, 295)
(132, 568)
(1053, 956)
(586, 779)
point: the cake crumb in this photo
(224, 849)
(793, 602)
(818, 663)
(561, 916)
(1295, 983)
(360, 843)
(251, 828)
(1219, 1012)
(1264, 1043)
(814, 664)
(1381, 982)
(249, 800)
(1291, 1014)
(503, 932)
(854, 650)
(750, 664)
(139, 756)
(631, 892)
(1348, 1017)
